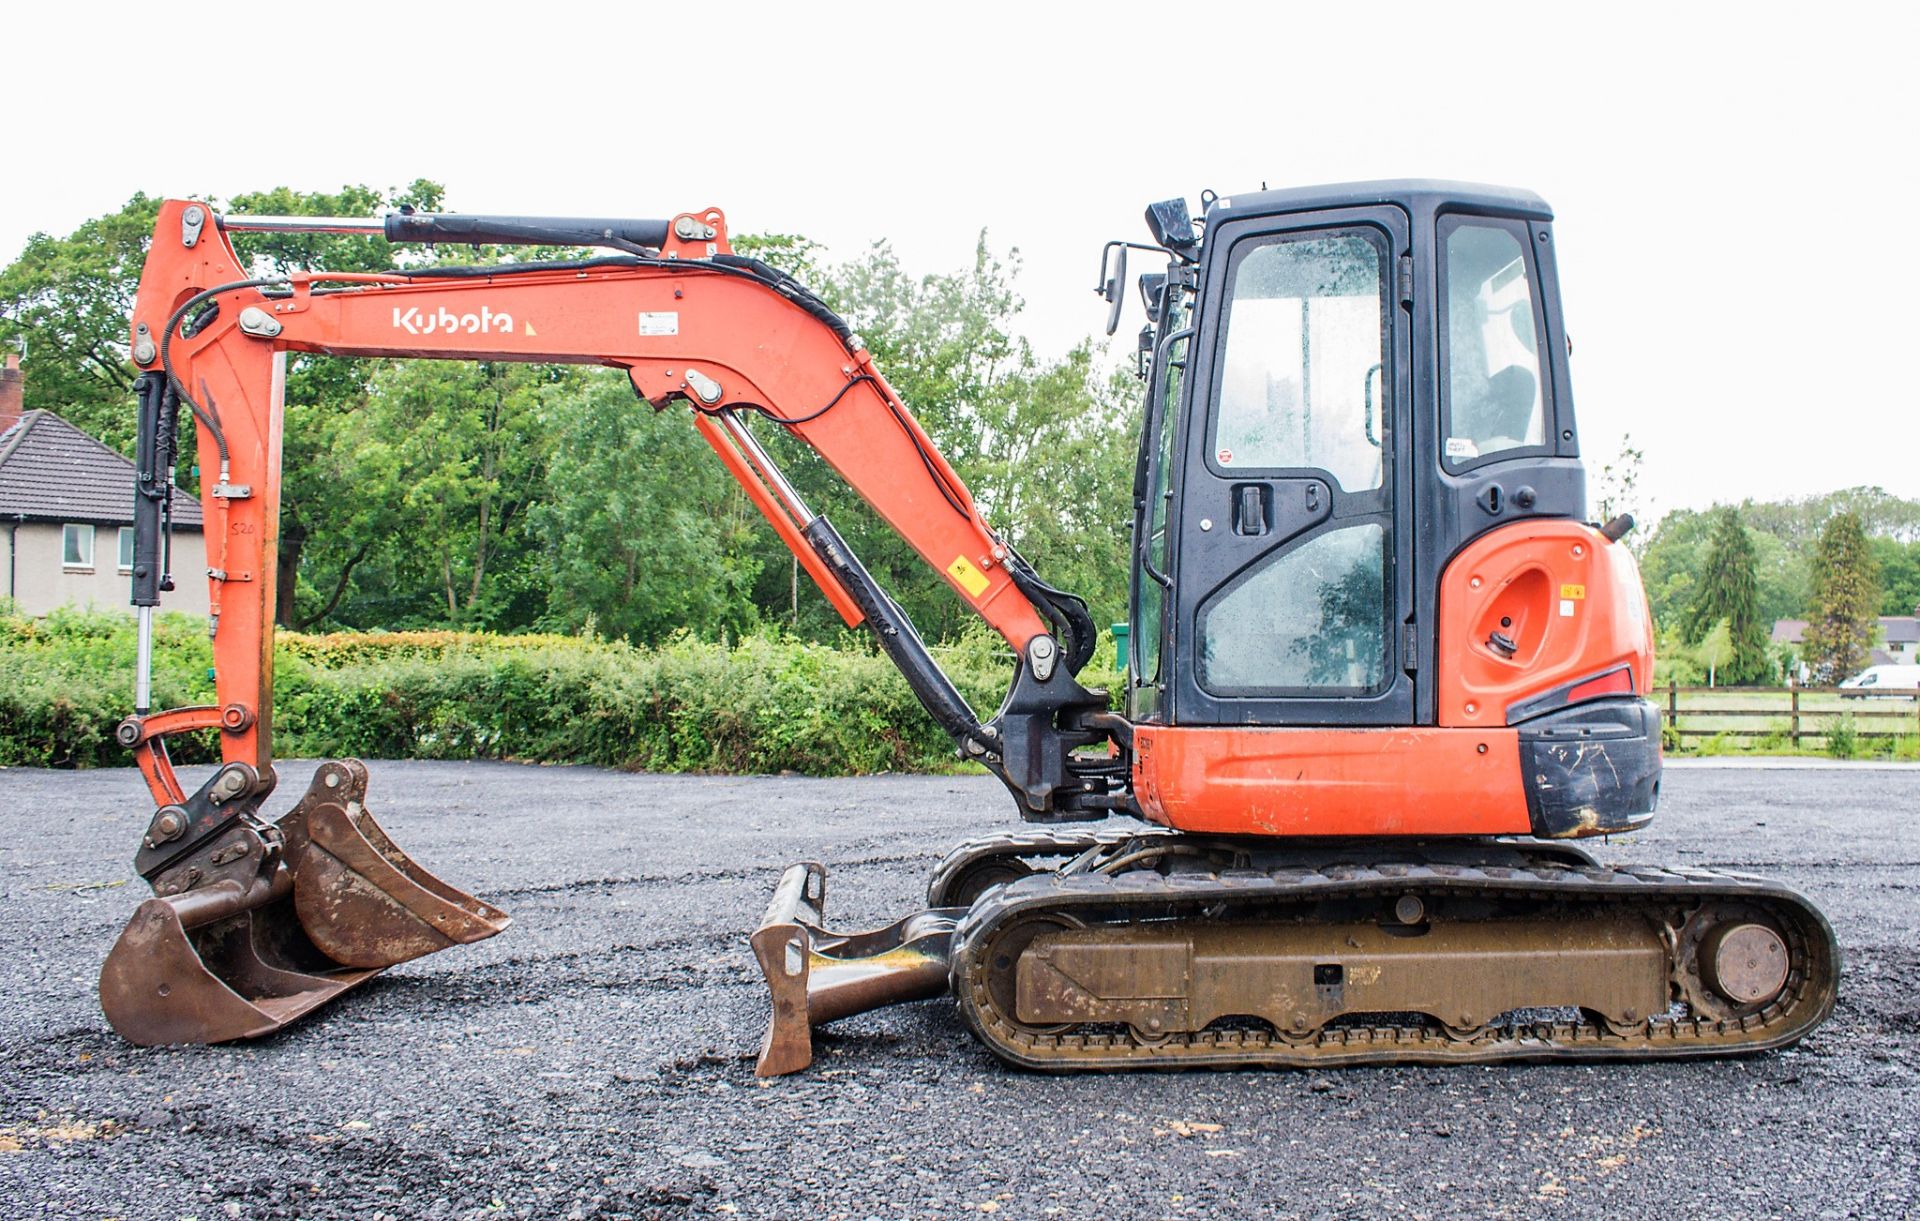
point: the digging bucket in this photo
(260, 925)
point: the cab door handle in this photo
(1250, 504)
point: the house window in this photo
(126, 549)
(76, 546)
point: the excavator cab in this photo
(1359, 505)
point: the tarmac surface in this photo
(595, 1060)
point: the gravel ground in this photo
(596, 1060)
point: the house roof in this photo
(1900, 629)
(51, 471)
(1894, 629)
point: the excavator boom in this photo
(693, 326)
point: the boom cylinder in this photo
(523, 230)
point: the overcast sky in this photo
(1730, 182)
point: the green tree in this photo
(1715, 650)
(1800, 522)
(1846, 597)
(1616, 488)
(645, 533)
(66, 300)
(1728, 592)
(457, 447)
(1899, 564)
(1675, 557)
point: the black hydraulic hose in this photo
(209, 416)
(1068, 613)
(808, 418)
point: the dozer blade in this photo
(364, 902)
(815, 975)
(260, 925)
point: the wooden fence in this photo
(1792, 715)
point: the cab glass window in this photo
(1149, 614)
(1491, 342)
(1300, 371)
(1310, 620)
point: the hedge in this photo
(760, 704)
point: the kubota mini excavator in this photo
(1381, 671)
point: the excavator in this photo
(1381, 673)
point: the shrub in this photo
(760, 704)
(1774, 740)
(1842, 741)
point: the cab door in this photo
(1293, 557)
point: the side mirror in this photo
(1114, 290)
(1172, 226)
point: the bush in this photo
(756, 705)
(1842, 741)
(1775, 739)
(1670, 739)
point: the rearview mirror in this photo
(1115, 288)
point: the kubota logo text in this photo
(445, 321)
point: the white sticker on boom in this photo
(1566, 608)
(666, 322)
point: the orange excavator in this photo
(1381, 672)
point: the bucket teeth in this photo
(327, 903)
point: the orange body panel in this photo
(1248, 780)
(675, 328)
(1570, 600)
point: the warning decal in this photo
(1576, 592)
(967, 576)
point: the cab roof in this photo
(1420, 197)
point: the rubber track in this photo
(1804, 1003)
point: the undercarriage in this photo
(1131, 949)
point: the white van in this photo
(1889, 682)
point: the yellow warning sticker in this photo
(967, 576)
(1576, 592)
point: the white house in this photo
(1899, 638)
(66, 511)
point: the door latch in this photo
(1250, 509)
